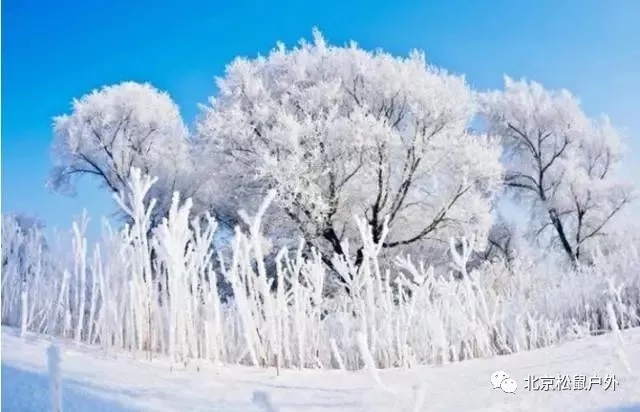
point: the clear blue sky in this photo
(53, 51)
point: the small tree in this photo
(340, 131)
(118, 127)
(561, 163)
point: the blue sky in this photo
(55, 51)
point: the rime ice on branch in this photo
(340, 131)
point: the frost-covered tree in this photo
(118, 127)
(340, 131)
(561, 163)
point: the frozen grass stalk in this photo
(156, 291)
(55, 378)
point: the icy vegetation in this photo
(153, 294)
(334, 208)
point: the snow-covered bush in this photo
(122, 298)
(25, 259)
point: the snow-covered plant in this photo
(55, 378)
(562, 163)
(118, 127)
(157, 293)
(341, 131)
(24, 259)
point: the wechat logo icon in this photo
(502, 380)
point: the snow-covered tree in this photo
(340, 131)
(560, 162)
(118, 127)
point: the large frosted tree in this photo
(561, 164)
(340, 131)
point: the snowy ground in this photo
(94, 381)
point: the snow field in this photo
(93, 380)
